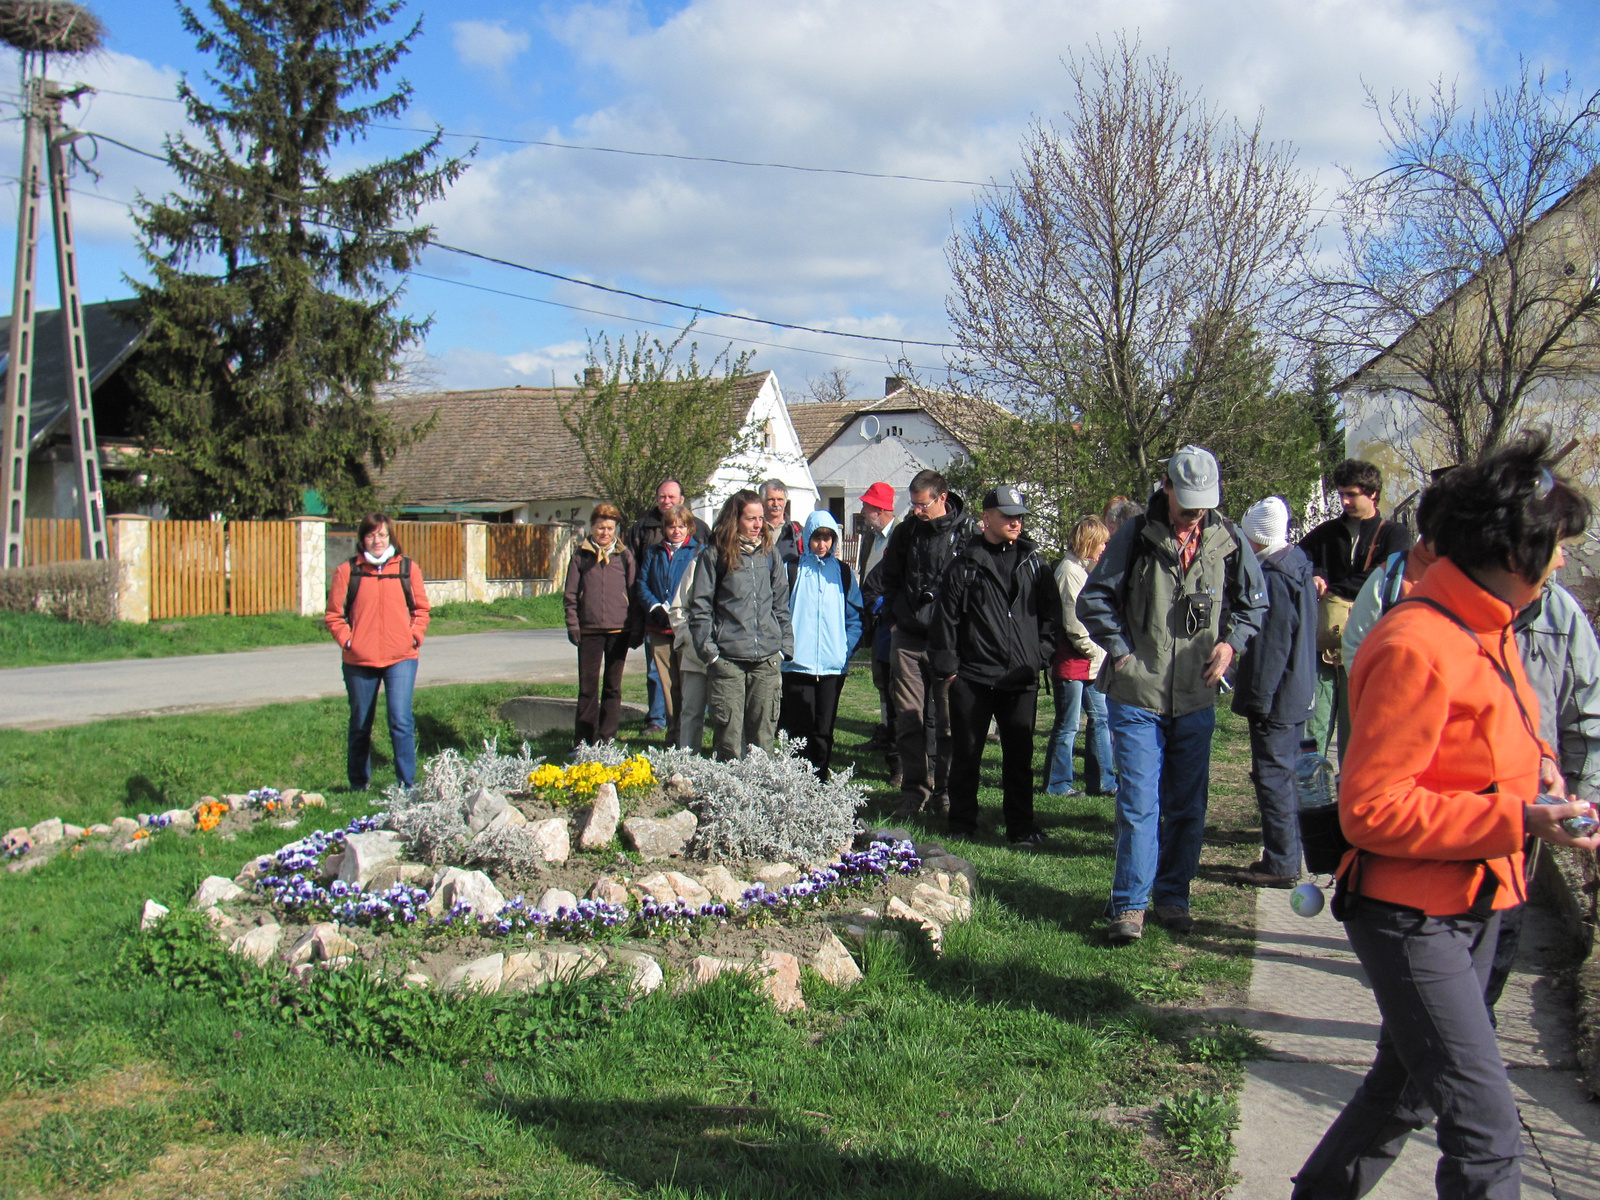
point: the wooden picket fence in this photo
(435, 546)
(47, 540)
(520, 551)
(207, 568)
(261, 566)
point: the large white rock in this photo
(507, 817)
(364, 853)
(778, 875)
(535, 968)
(604, 815)
(660, 839)
(898, 909)
(555, 845)
(657, 887)
(260, 944)
(214, 889)
(179, 818)
(941, 906)
(688, 889)
(455, 886)
(71, 832)
(776, 972)
(484, 806)
(609, 889)
(556, 898)
(644, 972)
(152, 913)
(47, 833)
(479, 975)
(722, 884)
(123, 828)
(832, 961)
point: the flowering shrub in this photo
(397, 905)
(151, 822)
(561, 785)
(210, 815)
(17, 848)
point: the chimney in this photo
(892, 384)
(593, 377)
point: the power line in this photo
(572, 279)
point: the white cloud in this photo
(488, 44)
(465, 368)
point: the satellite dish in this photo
(869, 428)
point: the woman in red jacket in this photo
(601, 623)
(378, 617)
(1445, 778)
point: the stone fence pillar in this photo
(311, 564)
(475, 561)
(565, 538)
(130, 546)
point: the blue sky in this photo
(941, 88)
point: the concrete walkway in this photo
(1310, 1003)
(50, 697)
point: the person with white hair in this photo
(1275, 688)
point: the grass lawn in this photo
(1030, 1061)
(37, 639)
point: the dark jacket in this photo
(659, 580)
(599, 596)
(914, 565)
(1140, 602)
(1277, 676)
(741, 615)
(787, 542)
(646, 532)
(1328, 548)
(989, 633)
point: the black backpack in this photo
(355, 585)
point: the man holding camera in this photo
(1173, 601)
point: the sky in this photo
(940, 89)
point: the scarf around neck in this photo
(378, 560)
(602, 554)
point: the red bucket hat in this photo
(879, 495)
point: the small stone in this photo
(555, 846)
(256, 868)
(609, 890)
(214, 889)
(688, 889)
(644, 971)
(364, 853)
(720, 882)
(312, 800)
(416, 979)
(260, 944)
(302, 971)
(134, 846)
(24, 865)
(71, 832)
(179, 818)
(47, 833)
(338, 963)
(679, 788)
(330, 942)
(15, 837)
(832, 961)
(507, 817)
(704, 968)
(291, 823)
(941, 906)
(479, 975)
(892, 833)
(152, 913)
(927, 850)
(781, 979)
(601, 825)
(290, 795)
(482, 807)
(416, 874)
(303, 950)
(557, 898)
(465, 887)
(660, 839)
(98, 830)
(123, 828)
(237, 800)
(383, 878)
(898, 909)
(951, 865)
(657, 887)
(778, 875)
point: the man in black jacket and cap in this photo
(997, 622)
(1275, 686)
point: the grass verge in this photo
(1030, 1061)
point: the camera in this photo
(1194, 610)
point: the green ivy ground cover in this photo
(1030, 1061)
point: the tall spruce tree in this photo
(273, 314)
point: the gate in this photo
(188, 569)
(262, 567)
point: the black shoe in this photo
(937, 806)
(908, 808)
(895, 779)
(1257, 875)
(1029, 841)
(962, 831)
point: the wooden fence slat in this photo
(188, 569)
(519, 551)
(261, 567)
(47, 540)
(435, 546)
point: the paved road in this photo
(50, 697)
(1310, 1003)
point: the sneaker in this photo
(1175, 917)
(1257, 875)
(1029, 841)
(1127, 926)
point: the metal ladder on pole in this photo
(45, 140)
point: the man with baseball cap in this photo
(998, 620)
(1174, 599)
(874, 524)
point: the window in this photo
(893, 431)
(769, 437)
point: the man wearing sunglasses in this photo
(1343, 552)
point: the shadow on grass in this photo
(695, 1149)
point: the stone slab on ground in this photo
(1310, 1005)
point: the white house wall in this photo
(853, 462)
(784, 460)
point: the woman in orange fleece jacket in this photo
(1440, 788)
(379, 627)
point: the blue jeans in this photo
(361, 686)
(1072, 698)
(1163, 775)
(656, 695)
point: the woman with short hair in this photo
(663, 569)
(1073, 669)
(377, 611)
(600, 623)
(739, 622)
(1445, 777)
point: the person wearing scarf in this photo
(380, 632)
(600, 623)
(665, 564)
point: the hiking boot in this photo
(895, 779)
(1029, 841)
(1175, 917)
(1257, 875)
(1127, 926)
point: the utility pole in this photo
(44, 147)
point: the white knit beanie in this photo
(1267, 524)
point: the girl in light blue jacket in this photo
(825, 613)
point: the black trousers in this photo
(972, 706)
(810, 705)
(601, 657)
(1274, 749)
(1436, 1049)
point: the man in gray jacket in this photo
(1174, 599)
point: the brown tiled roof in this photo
(962, 417)
(816, 423)
(504, 446)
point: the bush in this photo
(74, 591)
(432, 816)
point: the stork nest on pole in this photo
(49, 27)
